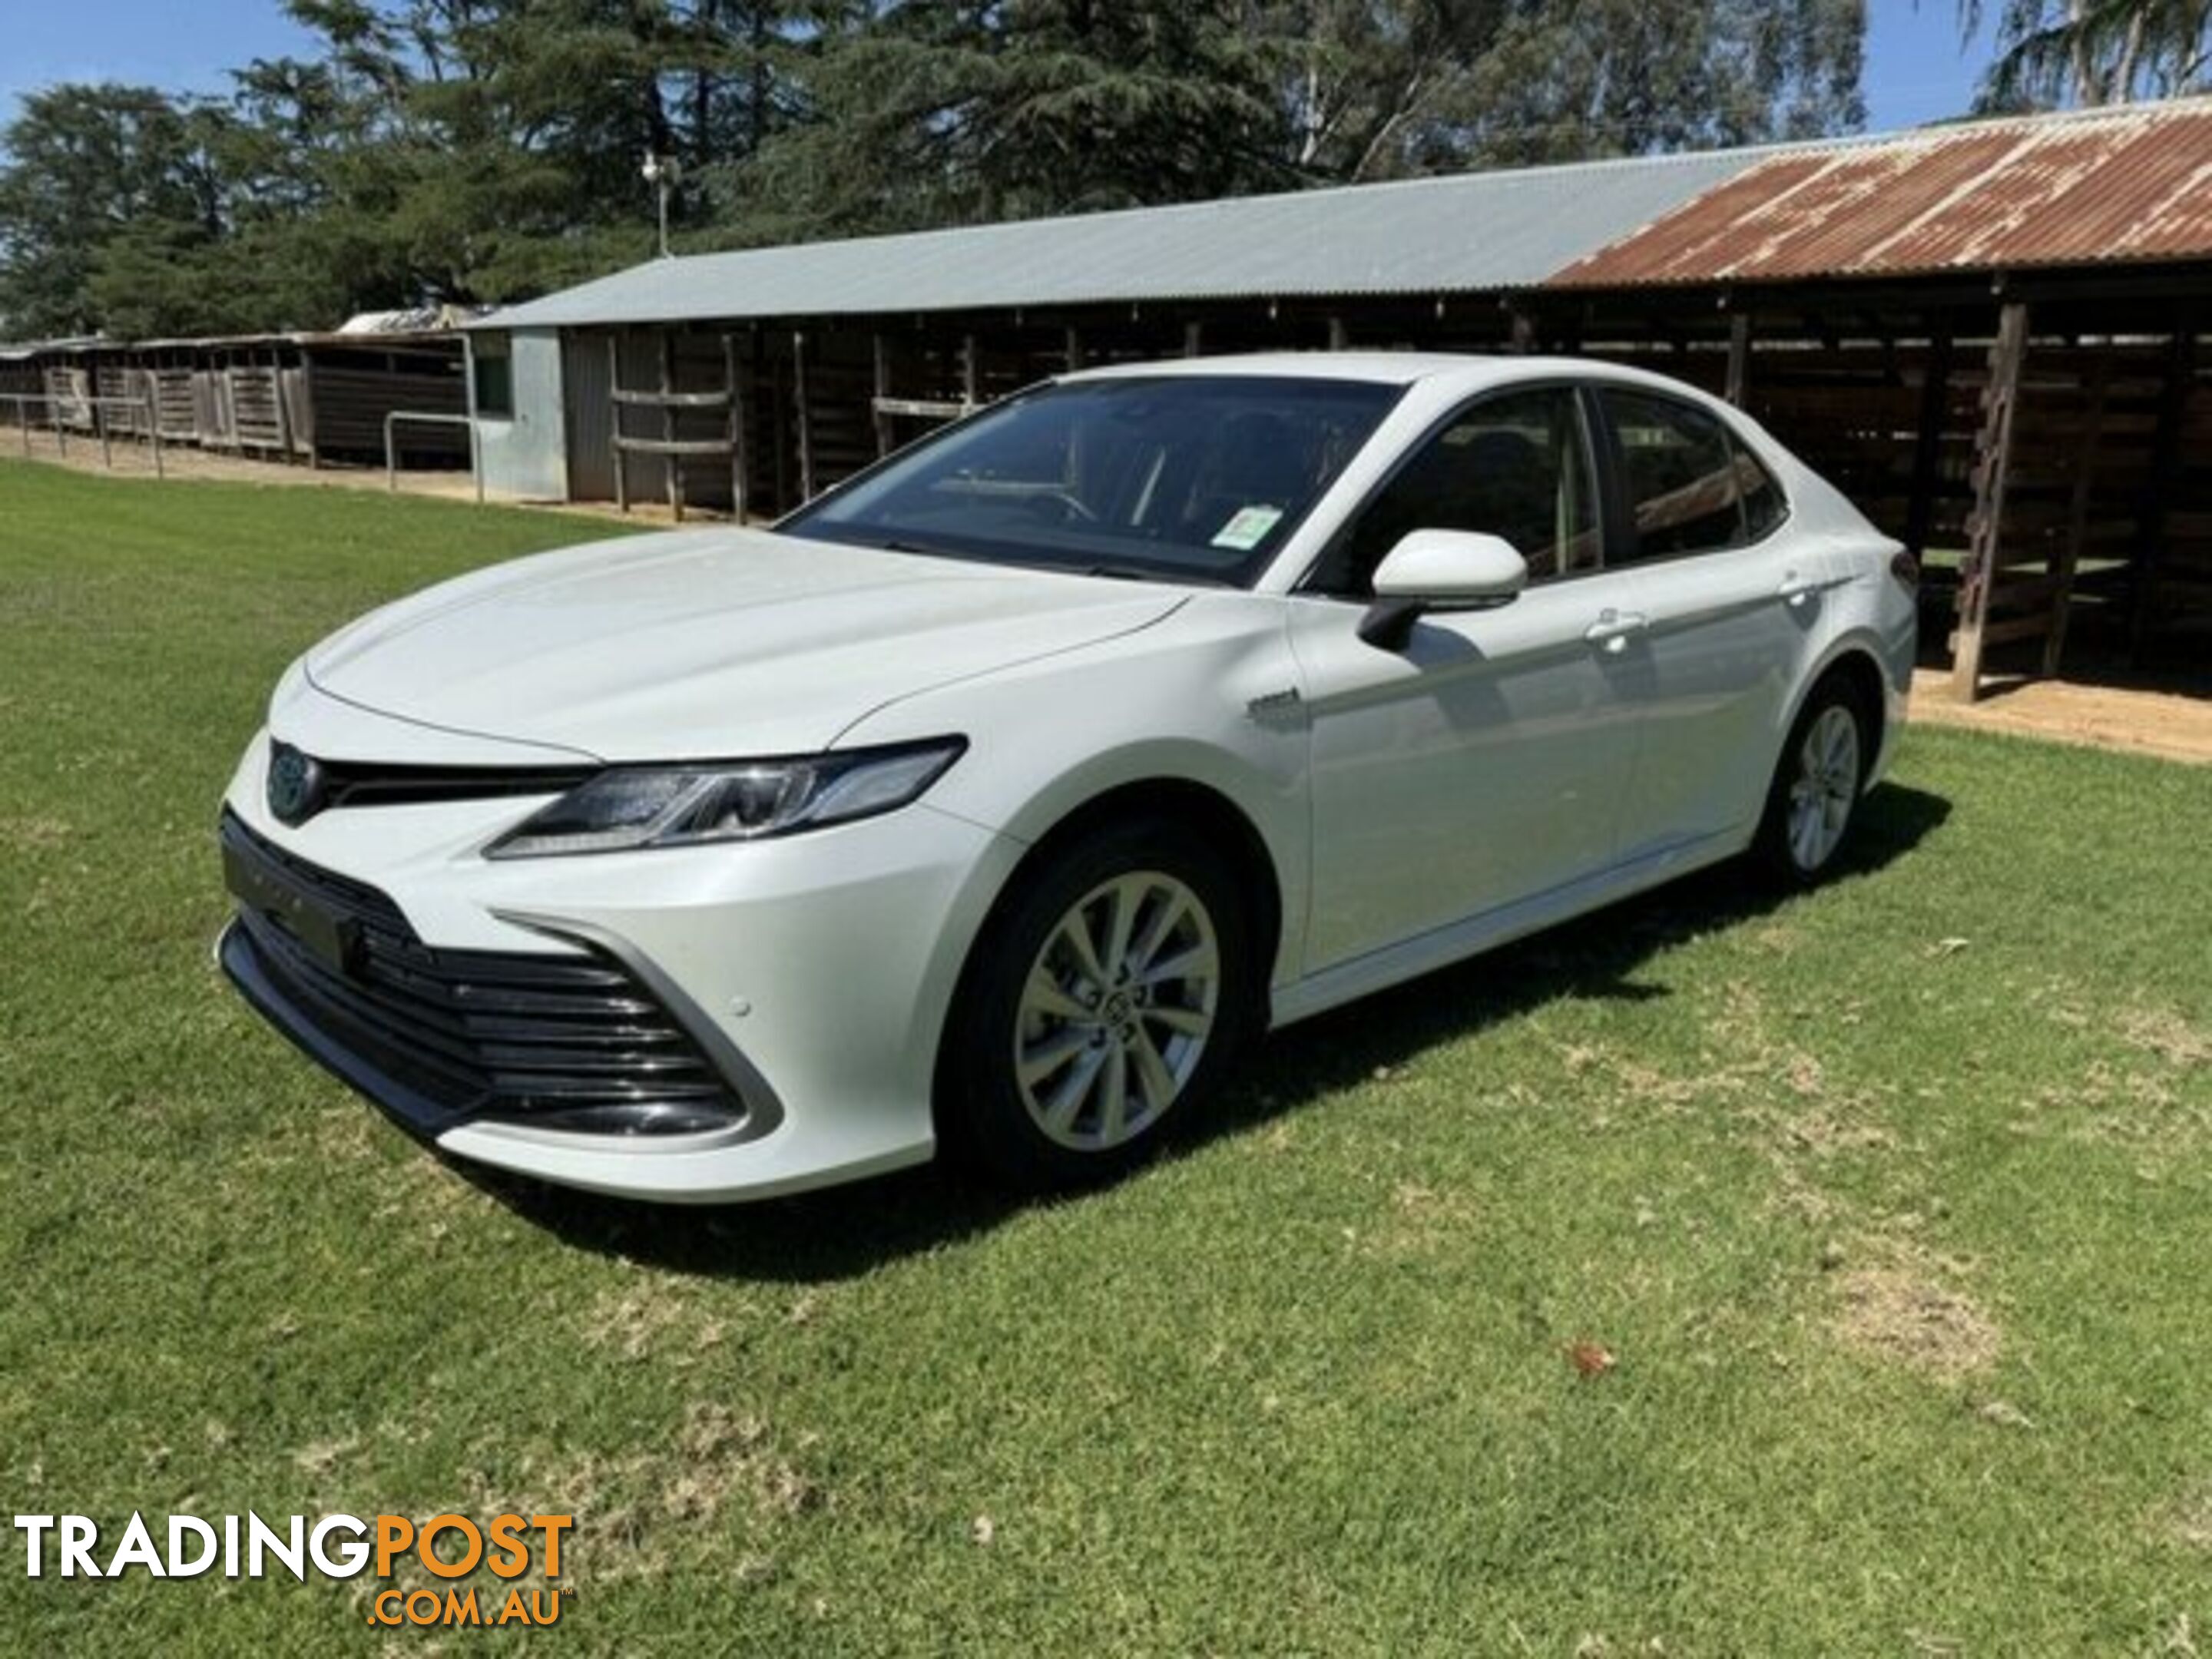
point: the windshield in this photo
(1177, 478)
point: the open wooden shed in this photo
(292, 397)
(1989, 334)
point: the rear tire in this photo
(1105, 1000)
(1813, 799)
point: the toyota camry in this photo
(998, 798)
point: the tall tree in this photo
(937, 112)
(86, 163)
(1378, 87)
(488, 149)
(2095, 51)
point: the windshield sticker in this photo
(1247, 527)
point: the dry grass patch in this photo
(35, 834)
(1824, 1133)
(2150, 1111)
(2187, 1521)
(1909, 1309)
(638, 1511)
(637, 1319)
(319, 1459)
(2165, 1033)
(1420, 1218)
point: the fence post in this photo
(427, 417)
(154, 426)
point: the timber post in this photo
(1992, 465)
(1739, 359)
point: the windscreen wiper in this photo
(1138, 573)
(1112, 572)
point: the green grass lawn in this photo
(1891, 1204)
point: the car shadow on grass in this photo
(1594, 957)
(819, 1237)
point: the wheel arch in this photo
(1856, 662)
(1183, 800)
(1177, 797)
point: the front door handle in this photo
(1796, 589)
(1615, 628)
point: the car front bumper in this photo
(812, 973)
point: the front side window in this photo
(1182, 477)
(1691, 487)
(1515, 464)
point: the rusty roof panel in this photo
(2133, 184)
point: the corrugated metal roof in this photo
(2053, 190)
(2080, 189)
(418, 319)
(1473, 232)
(15, 351)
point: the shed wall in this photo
(525, 456)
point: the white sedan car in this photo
(999, 797)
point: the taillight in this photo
(1907, 569)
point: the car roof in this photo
(1468, 370)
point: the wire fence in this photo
(63, 419)
(86, 417)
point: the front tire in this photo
(1814, 798)
(1102, 1007)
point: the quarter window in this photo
(1691, 487)
(1514, 466)
(1763, 506)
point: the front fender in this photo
(1208, 698)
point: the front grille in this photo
(368, 783)
(441, 1036)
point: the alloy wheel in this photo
(1116, 1011)
(1822, 793)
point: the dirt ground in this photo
(2145, 718)
(2149, 722)
(133, 459)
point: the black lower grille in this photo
(439, 1037)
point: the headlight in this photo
(628, 806)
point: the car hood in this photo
(719, 642)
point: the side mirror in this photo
(1440, 570)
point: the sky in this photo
(1917, 68)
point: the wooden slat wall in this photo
(1855, 414)
(127, 417)
(256, 421)
(67, 389)
(174, 404)
(283, 398)
(701, 365)
(211, 416)
(2183, 578)
(346, 396)
(840, 428)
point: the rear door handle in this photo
(1615, 628)
(1796, 589)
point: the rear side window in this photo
(1691, 487)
